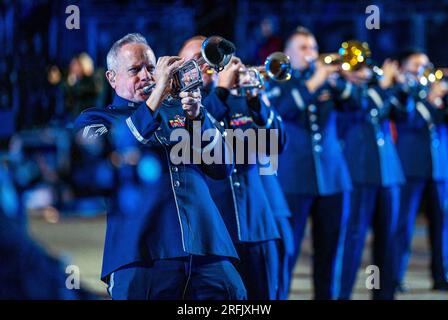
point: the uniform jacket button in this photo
(312, 108)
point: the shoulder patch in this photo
(94, 130)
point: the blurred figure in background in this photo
(282, 214)
(422, 146)
(80, 89)
(375, 169)
(241, 198)
(266, 39)
(313, 171)
(26, 270)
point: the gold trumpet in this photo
(277, 67)
(352, 56)
(431, 75)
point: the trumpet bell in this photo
(278, 67)
(351, 56)
(217, 52)
(354, 54)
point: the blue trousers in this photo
(435, 193)
(259, 269)
(329, 216)
(190, 278)
(285, 251)
(377, 207)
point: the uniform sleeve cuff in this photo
(143, 123)
(260, 113)
(222, 93)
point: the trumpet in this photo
(430, 75)
(352, 56)
(276, 67)
(424, 78)
(215, 51)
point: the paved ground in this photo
(80, 241)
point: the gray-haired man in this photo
(174, 245)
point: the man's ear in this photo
(110, 75)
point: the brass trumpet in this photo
(276, 67)
(215, 51)
(431, 75)
(352, 56)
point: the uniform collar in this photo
(120, 102)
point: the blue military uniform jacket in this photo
(364, 130)
(422, 135)
(241, 198)
(313, 163)
(182, 218)
(275, 195)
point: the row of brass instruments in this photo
(353, 55)
(217, 52)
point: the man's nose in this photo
(145, 74)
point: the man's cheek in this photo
(133, 88)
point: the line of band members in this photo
(202, 230)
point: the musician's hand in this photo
(227, 78)
(402, 77)
(191, 103)
(163, 75)
(321, 75)
(390, 73)
(164, 72)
